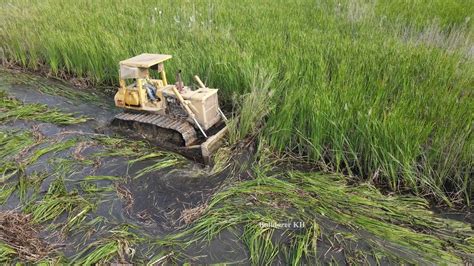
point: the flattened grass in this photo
(117, 247)
(161, 160)
(6, 253)
(58, 201)
(46, 86)
(11, 144)
(13, 109)
(395, 228)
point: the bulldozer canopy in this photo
(145, 60)
(137, 66)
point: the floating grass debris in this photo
(88, 228)
(398, 228)
(161, 258)
(7, 253)
(115, 146)
(46, 86)
(19, 150)
(101, 177)
(12, 144)
(92, 188)
(126, 196)
(99, 184)
(5, 192)
(12, 109)
(160, 161)
(117, 247)
(54, 147)
(58, 201)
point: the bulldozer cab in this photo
(139, 67)
(138, 88)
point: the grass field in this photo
(79, 186)
(381, 90)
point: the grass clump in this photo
(58, 201)
(117, 247)
(12, 143)
(6, 253)
(5, 192)
(101, 177)
(116, 146)
(161, 160)
(138, 151)
(90, 184)
(13, 109)
(19, 150)
(252, 108)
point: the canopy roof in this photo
(145, 60)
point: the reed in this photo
(377, 89)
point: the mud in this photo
(157, 203)
(157, 198)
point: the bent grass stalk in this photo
(58, 201)
(6, 253)
(118, 246)
(13, 109)
(161, 160)
(399, 228)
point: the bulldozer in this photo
(174, 116)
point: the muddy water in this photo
(157, 199)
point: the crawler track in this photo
(159, 128)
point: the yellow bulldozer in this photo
(172, 115)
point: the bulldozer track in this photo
(160, 127)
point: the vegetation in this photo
(119, 244)
(68, 206)
(360, 221)
(377, 89)
(13, 109)
(19, 238)
(46, 86)
(396, 228)
(370, 93)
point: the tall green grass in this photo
(377, 89)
